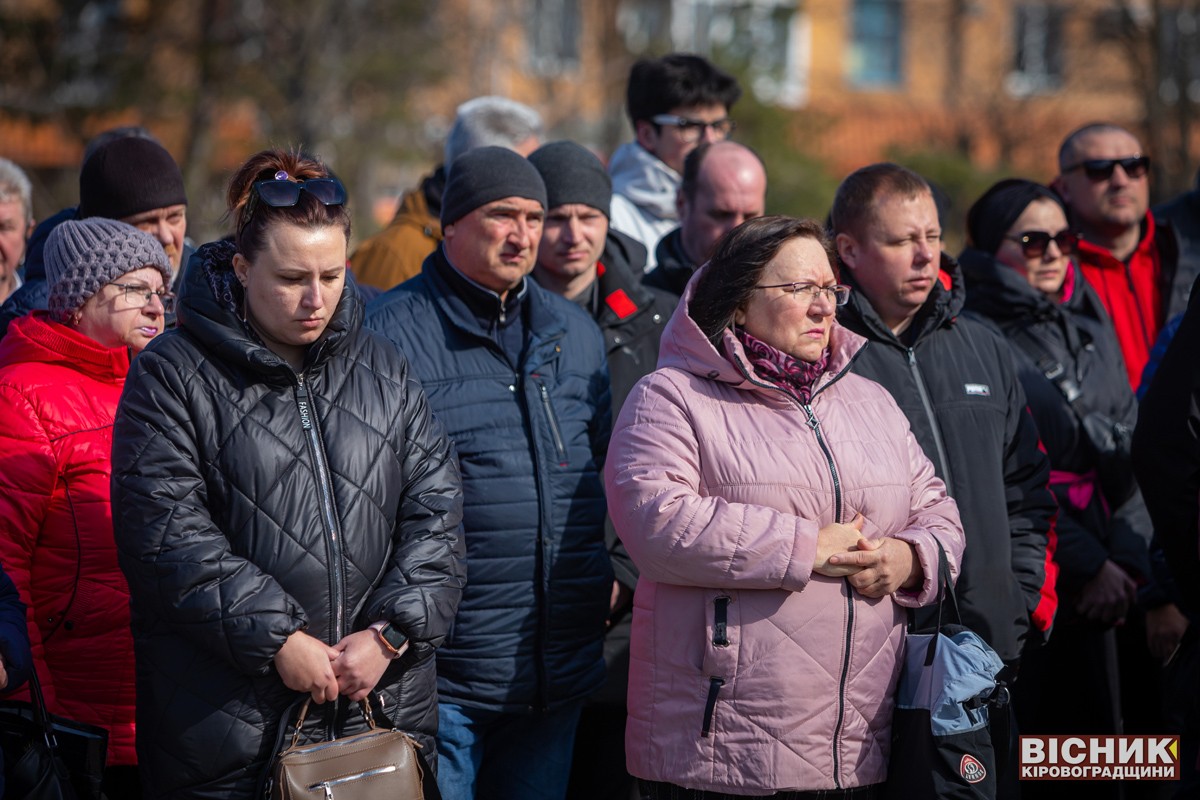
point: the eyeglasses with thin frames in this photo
(138, 295)
(839, 295)
(1101, 169)
(690, 130)
(1034, 243)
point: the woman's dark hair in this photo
(990, 217)
(737, 264)
(251, 220)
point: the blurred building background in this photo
(965, 91)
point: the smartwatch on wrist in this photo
(392, 637)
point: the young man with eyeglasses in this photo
(1128, 256)
(956, 382)
(675, 103)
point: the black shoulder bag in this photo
(47, 757)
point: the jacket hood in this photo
(648, 182)
(36, 339)
(998, 292)
(210, 309)
(685, 347)
(941, 307)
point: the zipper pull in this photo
(813, 422)
(303, 404)
(328, 791)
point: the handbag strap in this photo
(945, 593)
(363, 705)
(41, 715)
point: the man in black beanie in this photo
(584, 260)
(517, 375)
(127, 176)
(136, 181)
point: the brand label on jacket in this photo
(305, 421)
(977, 389)
(971, 770)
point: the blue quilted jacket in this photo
(531, 443)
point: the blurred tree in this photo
(218, 79)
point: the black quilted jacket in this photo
(248, 503)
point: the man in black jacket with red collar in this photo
(956, 382)
(582, 259)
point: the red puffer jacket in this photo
(58, 397)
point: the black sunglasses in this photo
(1101, 169)
(285, 193)
(1034, 243)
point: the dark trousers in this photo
(653, 790)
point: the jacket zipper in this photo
(927, 404)
(843, 679)
(539, 570)
(710, 705)
(337, 578)
(554, 429)
(815, 425)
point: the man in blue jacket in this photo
(518, 377)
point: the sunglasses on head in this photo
(1034, 243)
(283, 193)
(1101, 169)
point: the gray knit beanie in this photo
(81, 256)
(572, 174)
(487, 174)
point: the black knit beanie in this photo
(487, 174)
(129, 176)
(573, 175)
(998, 208)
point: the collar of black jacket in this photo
(941, 308)
(489, 309)
(209, 309)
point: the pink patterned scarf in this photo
(795, 376)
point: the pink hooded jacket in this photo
(749, 673)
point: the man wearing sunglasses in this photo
(1129, 257)
(675, 103)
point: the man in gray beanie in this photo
(584, 260)
(518, 377)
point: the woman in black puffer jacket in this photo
(286, 508)
(1020, 275)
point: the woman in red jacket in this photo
(61, 374)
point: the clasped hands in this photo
(874, 567)
(352, 667)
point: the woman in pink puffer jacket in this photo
(782, 517)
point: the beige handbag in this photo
(376, 763)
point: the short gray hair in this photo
(490, 121)
(15, 185)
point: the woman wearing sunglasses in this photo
(1020, 273)
(286, 509)
(61, 375)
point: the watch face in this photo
(393, 636)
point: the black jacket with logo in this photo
(956, 382)
(1074, 342)
(250, 502)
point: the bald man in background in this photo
(724, 184)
